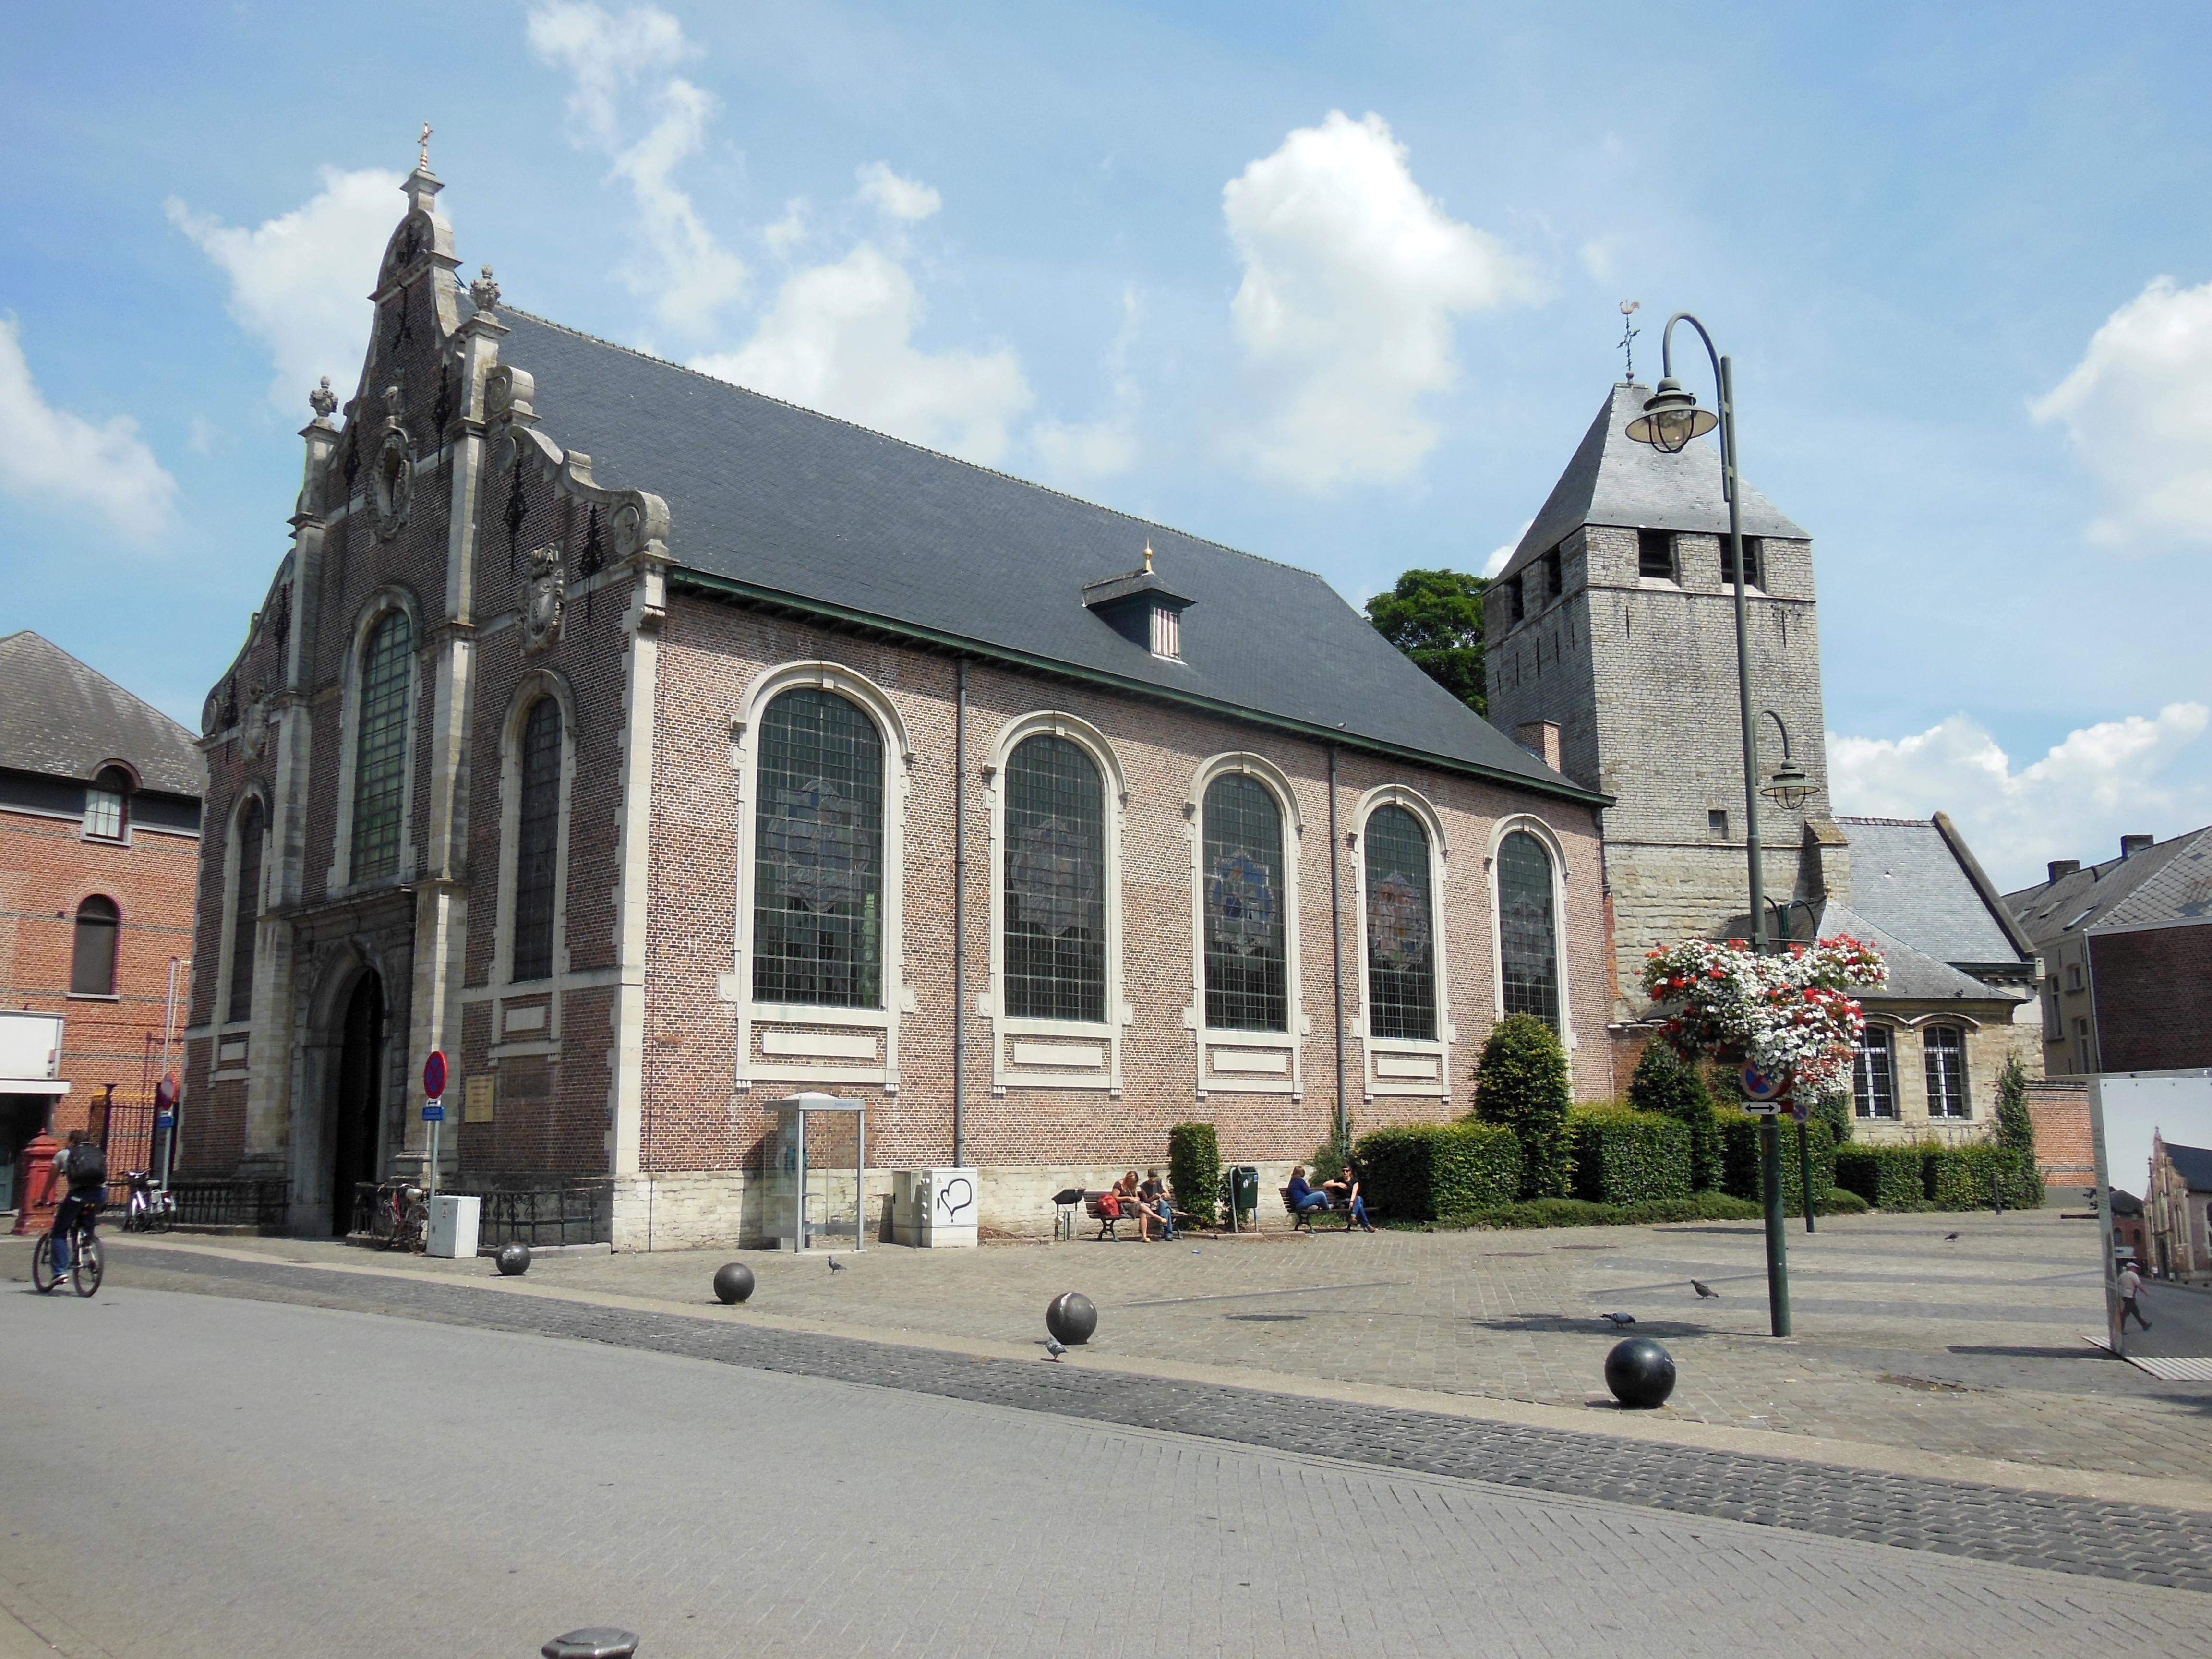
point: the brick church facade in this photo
(656, 750)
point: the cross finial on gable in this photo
(422, 153)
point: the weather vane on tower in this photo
(1628, 308)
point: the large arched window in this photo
(818, 854)
(536, 841)
(1528, 929)
(1055, 882)
(92, 964)
(1246, 986)
(379, 778)
(1401, 961)
(245, 910)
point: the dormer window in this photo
(107, 805)
(1142, 608)
(1167, 633)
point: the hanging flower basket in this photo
(1791, 1015)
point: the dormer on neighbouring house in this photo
(1142, 608)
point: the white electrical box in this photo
(453, 1229)
(933, 1209)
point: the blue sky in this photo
(1335, 285)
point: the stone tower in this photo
(1612, 651)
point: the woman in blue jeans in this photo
(1306, 1199)
(1345, 1190)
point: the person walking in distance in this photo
(2130, 1288)
(84, 1167)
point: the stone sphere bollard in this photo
(514, 1259)
(734, 1282)
(1071, 1318)
(1640, 1373)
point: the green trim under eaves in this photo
(728, 588)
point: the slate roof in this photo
(1919, 884)
(2193, 1164)
(64, 720)
(1914, 976)
(772, 502)
(1614, 480)
(2165, 881)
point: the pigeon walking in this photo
(1053, 1347)
(1619, 1318)
(1950, 1238)
(1703, 1288)
(836, 1266)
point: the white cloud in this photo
(839, 338)
(1108, 447)
(2101, 783)
(54, 458)
(785, 233)
(1352, 276)
(299, 281)
(2138, 409)
(607, 57)
(902, 198)
(1496, 562)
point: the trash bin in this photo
(452, 1231)
(1245, 1184)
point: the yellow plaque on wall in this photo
(476, 1100)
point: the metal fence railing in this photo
(259, 1203)
(574, 1213)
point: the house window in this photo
(1054, 883)
(1754, 562)
(1873, 1077)
(1246, 986)
(1654, 553)
(379, 778)
(2073, 976)
(1716, 824)
(2082, 1046)
(2054, 1027)
(537, 841)
(92, 965)
(1943, 1050)
(1167, 633)
(107, 805)
(818, 854)
(245, 911)
(1401, 975)
(1528, 930)
(1554, 577)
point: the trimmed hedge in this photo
(1520, 1083)
(1665, 1082)
(1194, 1171)
(1575, 1213)
(1629, 1158)
(1967, 1177)
(1740, 1159)
(1838, 1201)
(1887, 1177)
(1419, 1171)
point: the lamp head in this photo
(1789, 787)
(1671, 418)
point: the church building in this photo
(656, 750)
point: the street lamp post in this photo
(1671, 420)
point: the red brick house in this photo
(100, 814)
(657, 749)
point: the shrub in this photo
(1665, 1082)
(1740, 1159)
(1887, 1177)
(1521, 1082)
(1626, 1157)
(1837, 1200)
(1417, 1172)
(1968, 1178)
(2016, 1127)
(1834, 1109)
(1194, 1171)
(1576, 1213)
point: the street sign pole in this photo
(434, 1110)
(1763, 1095)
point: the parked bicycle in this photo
(400, 1216)
(87, 1266)
(149, 1208)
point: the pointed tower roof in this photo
(1614, 480)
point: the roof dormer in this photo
(1141, 608)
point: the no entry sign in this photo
(433, 1074)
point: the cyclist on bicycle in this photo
(84, 1166)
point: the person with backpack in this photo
(84, 1166)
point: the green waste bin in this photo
(1245, 1184)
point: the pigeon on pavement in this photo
(836, 1266)
(1619, 1318)
(1950, 1238)
(1703, 1288)
(1053, 1347)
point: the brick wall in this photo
(2060, 1112)
(2153, 998)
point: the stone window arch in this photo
(1244, 904)
(375, 776)
(1527, 910)
(249, 834)
(1053, 876)
(537, 768)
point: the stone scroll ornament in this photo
(822, 855)
(1791, 1014)
(543, 601)
(1242, 896)
(1398, 920)
(1053, 871)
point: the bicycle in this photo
(401, 1217)
(87, 1266)
(149, 1208)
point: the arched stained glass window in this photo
(818, 854)
(380, 776)
(92, 966)
(537, 841)
(1527, 928)
(1401, 970)
(245, 911)
(1247, 984)
(1055, 882)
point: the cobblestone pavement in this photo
(2142, 1543)
(1974, 1347)
(274, 1480)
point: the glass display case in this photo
(817, 1160)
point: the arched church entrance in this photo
(360, 1092)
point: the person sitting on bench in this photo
(1344, 1192)
(1306, 1199)
(1154, 1208)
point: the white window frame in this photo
(1965, 1076)
(122, 837)
(225, 952)
(381, 603)
(1389, 1065)
(1530, 824)
(1056, 1054)
(1896, 1114)
(835, 1034)
(541, 1034)
(1238, 1061)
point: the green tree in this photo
(1665, 1082)
(1435, 617)
(1520, 1082)
(2016, 1126)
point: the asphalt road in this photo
(2180, 1322)
(186, 1475)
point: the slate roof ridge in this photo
(908, 443)
(1900, 824)
(187, 756)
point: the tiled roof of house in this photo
(775, 503)
(2105, 893)
(1918, 883)
(1914, 976)
(2178, 890)
(64, 720)
(2193, 1164)
(1614, 480)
